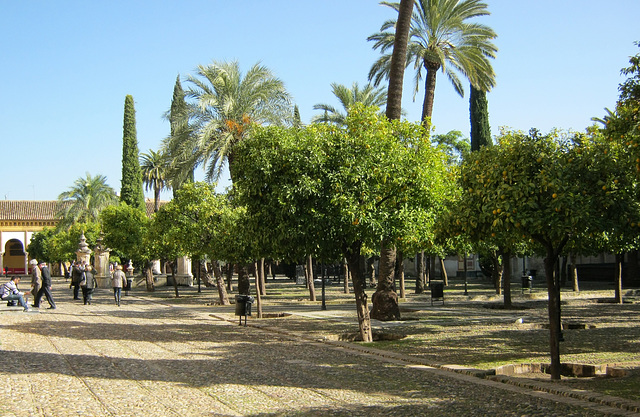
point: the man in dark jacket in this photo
(76, 277)
(46, 287)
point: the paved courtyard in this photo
(151, 358)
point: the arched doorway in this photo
(14, 257)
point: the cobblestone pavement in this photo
(148, 358)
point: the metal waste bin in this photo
(527, 281)
(243, 306)
(437, 291)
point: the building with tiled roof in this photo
(19, 220)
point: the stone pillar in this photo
(155, 268)
(26, 254)
(101, 260)
(183, 273)
(83, 253)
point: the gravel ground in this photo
(154, 356)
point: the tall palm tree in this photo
(225, 104)
(441, 38)
(154, 169)
(398, 59)
(84, 201)
(369, 96)
(385, 299)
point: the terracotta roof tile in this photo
(28, 210)
(40, 210)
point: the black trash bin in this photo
(243, 306)
(527, 281)
(437, 291)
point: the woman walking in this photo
(87, 284)
(118, 280)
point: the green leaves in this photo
(323, 187)
(544, 188)
(124, 229)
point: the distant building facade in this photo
(19, 220)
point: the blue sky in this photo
(68, 65)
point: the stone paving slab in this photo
(154, 359)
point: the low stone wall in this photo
(566, 369)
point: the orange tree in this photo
(329, 191)
(534, 189)
(125, 230)
(618, 182)
(198, 222)
(622, 134)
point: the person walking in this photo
(87, 284)
(36, 277)
(127, 287)
(76, 277)
(118, 280)
(45, 289)
(10, 292)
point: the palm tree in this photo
(226, 103)
(398, 59)
(441, 39)
(369, 96)
(154, 169)
(385, 299)
(85, 200)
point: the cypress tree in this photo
(296, 117)
(131, 191)
(479, 114)
(180, 134)
(178, 110)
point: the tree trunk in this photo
(258, 284)
(385, 300)
(173, 277)
(497, 273)
(229, 277)
(148, 273)
(506, 277)
(310, 283)
(574, 274)
(306, 274)
(156, 198)
(618, 290)
(206, 277)
(244, 285)
(445, 277)
(371, 272)
(270, 270)
(398, 60)
(420, 273)
(563, 271)
(555, 327)
(220, 284)
(356, 266)
(346, 276)
(399, 273)
(431, 269)
(429, 88)
(262, 280)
